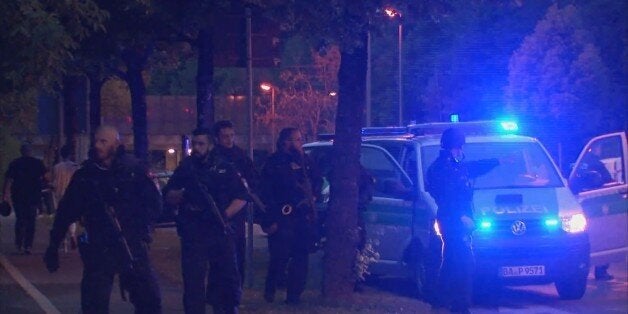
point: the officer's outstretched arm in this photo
(480, 167)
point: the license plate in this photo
(522, 271)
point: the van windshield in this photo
(529, 164)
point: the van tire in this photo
(572, 288)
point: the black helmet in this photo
(452, 138)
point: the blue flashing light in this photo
(551, 222)
(509, 126)
(485, 225)
(454, 118)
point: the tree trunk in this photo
(135, 62)
(72, 85)
(342, 231)
(95, 86)
(205, 79)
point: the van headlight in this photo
(574, 223)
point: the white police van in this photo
(530, 228)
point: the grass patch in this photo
(378, 296)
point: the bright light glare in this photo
(551, 222)
(392, 12)
(265, 86)
(509, 126)
(189, 151)
(575, 223)
(171, 151)
(485, 224)
(333, 93)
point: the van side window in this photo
(601, 166)
(389, 180)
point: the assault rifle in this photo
(254, 197)
(125, 263)
(119, 247)
(198, 192)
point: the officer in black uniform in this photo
(116, 202)
(290, 187)
(207, 194)
(448, 181)
(225, 149)
(23, 182)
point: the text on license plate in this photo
(522, 271)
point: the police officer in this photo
(23, 182)
(448, 179)
(290, 185)
(116, 201)
(225, 149)
(207, 193)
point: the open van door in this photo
(388, 218)
(598, 180)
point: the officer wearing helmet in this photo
(449, 183)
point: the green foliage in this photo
(558, 73)
(458, 61)
(337, 22)
(173, 81)
(38, 38)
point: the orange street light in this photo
(265, 87)
(392, 12)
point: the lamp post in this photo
(368, 78)
(392, 13)
(267, 87)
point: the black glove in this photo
(51, 258)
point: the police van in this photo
(530, 227)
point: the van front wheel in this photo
(572, 288)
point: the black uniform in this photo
(27, 173)
(289, 184)
(94, 196)
(449, 183)
(203, 239)
(244, 166)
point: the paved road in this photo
(26, 287)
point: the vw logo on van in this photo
(518, 227)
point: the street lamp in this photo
(267, 87)
(392, 13)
